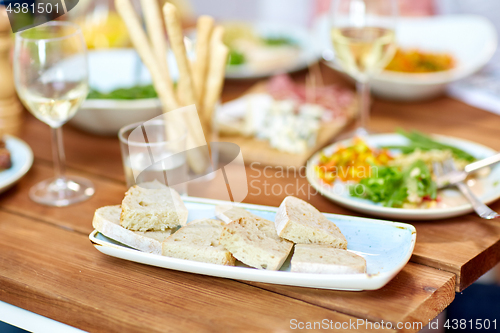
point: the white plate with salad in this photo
(261, 49)
(391, 176)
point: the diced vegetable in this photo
(351, 163)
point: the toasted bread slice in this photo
(301, 223)
(107, 221)
(326, 259)
(152, 206)
(254, 241)
(228, 213)
(198, 241)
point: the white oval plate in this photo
(22, 159)
(339, 192)
(386, 247)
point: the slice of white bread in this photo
(228, 213)
(326, 259)
(152, 206)
(254, 241)
(198, 241)
(107, 221)
(301, 223)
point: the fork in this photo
(481, 209)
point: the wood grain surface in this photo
(47, 264)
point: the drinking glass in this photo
(362, 33)
(152, 151)
(51, 78)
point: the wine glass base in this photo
(61, 192)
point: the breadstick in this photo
(197, 161)
(204, 28)
(186, 93)
(142, 46)
(216, 71)
(157, 39)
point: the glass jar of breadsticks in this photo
(200, 81)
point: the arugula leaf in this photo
(392, 187)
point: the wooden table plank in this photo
(58, 274)
(431, 293)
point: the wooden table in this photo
(48, 265)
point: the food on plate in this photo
(5, 159)
(238, 234)
(289, 116)
(351, 163)
(135, 92)
(152, 206)
(254, 242)
(107, 221)
(394, 176)
(301, 223)
(259, 52)
(326, 259)
(425, 143)
(396, 187)
(416, 61)
(229, 213)
(198, 241)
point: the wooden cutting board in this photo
(259, 151)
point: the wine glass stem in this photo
(363, 88)
(58, 152)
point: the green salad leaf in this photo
(392, 187)
(135, 92)
(278, 41)
(235, 58)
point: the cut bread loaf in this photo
(325, 259)
(301, 223)
(228, 213)
(254, 241)
(152, 206)
(107, 221)
(198, 241)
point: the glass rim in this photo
(154, 144)
(77, 31)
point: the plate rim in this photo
(322, 281)
(390, 212)
(23, 169)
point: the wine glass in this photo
(51, 78)
(362, 33)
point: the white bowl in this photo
(109, 70)
(470, 39)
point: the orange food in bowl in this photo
(415, 61)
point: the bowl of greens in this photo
(121, 93)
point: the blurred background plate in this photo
(22, 159)
(308, 51)
(470, 39)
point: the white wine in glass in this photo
(51, 77)
(362, 33)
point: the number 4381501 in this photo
(471, 324)
(25, 8)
